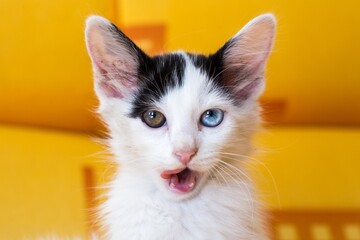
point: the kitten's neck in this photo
(134, 200)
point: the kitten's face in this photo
(174, 117)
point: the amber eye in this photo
(153, 119)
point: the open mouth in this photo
(181, 180)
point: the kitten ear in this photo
(115, 58)
(245, 56)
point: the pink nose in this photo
(185, 156)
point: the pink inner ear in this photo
(257, 63)
(115, 77)
(96, 59)
(114, 60)
(110, 90)
(245, 92)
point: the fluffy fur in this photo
(181, 86)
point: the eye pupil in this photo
(212, 117)
(152, 115)
(209, 113)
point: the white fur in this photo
(223, 204)
(141, 207)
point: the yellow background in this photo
(46, 102)
(316, 58)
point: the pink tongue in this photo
(182, 182)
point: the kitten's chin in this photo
(181, 183)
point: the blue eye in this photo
(212, 117)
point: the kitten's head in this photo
(179, 118)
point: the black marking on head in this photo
(213, 66)
(157, 75)
(222, 78)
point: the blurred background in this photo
(308, 162)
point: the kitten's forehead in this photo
(196, 86)
(187, 77)
(157, 76)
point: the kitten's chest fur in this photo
(222, 210)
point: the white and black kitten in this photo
(181, 126)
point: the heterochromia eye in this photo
(154, 119)
(212, 117)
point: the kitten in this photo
(180, 126)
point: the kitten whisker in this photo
(213, 176)
(219, 172)
(251, 202)
(102, 153)
(259, 162)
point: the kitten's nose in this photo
(185, 156)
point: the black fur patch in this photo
(223, 78)
(161, 73)
(157, 76)
(213, 67)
